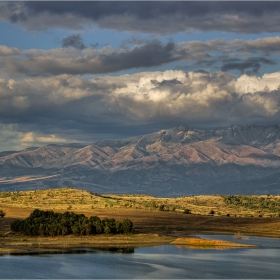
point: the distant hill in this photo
(171, 162)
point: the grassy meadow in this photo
(71, 199)
(250, 215)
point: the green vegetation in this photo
(269, 203)
(49, 223)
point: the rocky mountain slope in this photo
(177, 161)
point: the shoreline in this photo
(28, 245)
(25, 245)
(152, 227)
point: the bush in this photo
(2, 214)
(187, 211)
(161, 207)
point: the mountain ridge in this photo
(173, 161)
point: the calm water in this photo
(155, 262)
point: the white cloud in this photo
(12, 138)
(32, 137)
(4, 50)
(148, 94)
(196, 95)
(252, 84)
(49, 110)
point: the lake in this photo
(165, 261)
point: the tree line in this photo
(49, 223)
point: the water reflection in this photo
(75, 251)
(254, 240)
(166, 262)
(205, 247)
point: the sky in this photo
(74, 71)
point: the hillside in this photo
(66, 199)
(172, 162)
(254, 215)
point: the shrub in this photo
(161, 207)
(2, 214)
(187, 211)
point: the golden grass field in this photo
(71, 199)
(145, 211)
(156, 220)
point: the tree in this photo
(2, 214)
(96, 225)
(75, 229)
(127, 226)
(48, 223)
(109, 225)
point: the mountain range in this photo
(172, 162)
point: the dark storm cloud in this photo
(149, 17)
(74, 41)
(252, 64)
(153, 53)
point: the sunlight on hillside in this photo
(215, 205)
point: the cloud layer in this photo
(148, 17)
(75, 59)
(53, 108)
(58, 92)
